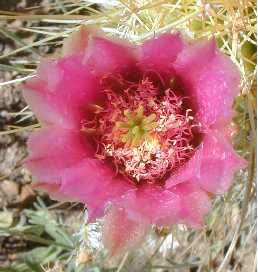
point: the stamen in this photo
(95, 108)
(146, 135)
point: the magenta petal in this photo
(76, 42)
(159, 54)
(210, 79)
(212, 166)
(183, 203)
(53, 191)
(121, 232)
(219, 162)
(61, 91)
(186, 172)
(51, 150)
(154, 204)
(95, 184)
(105, 56)
(194, 203)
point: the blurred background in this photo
(38, 234)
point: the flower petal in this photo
(219, 162)
(186, 172)
(105, 56)
(159, 54)
(194, 203)
(183, 203)
(121, 232)
(153, 203)
(51, 150)
(210, 79)
(212, 166)
(61, 91)
(53, 191)
(94, 183)
(76, 42)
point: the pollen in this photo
(147, 133)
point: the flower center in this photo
(146, 132)
(136, 127)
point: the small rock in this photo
(10, 189)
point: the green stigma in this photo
(136, 127)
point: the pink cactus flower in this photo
(140, 134)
